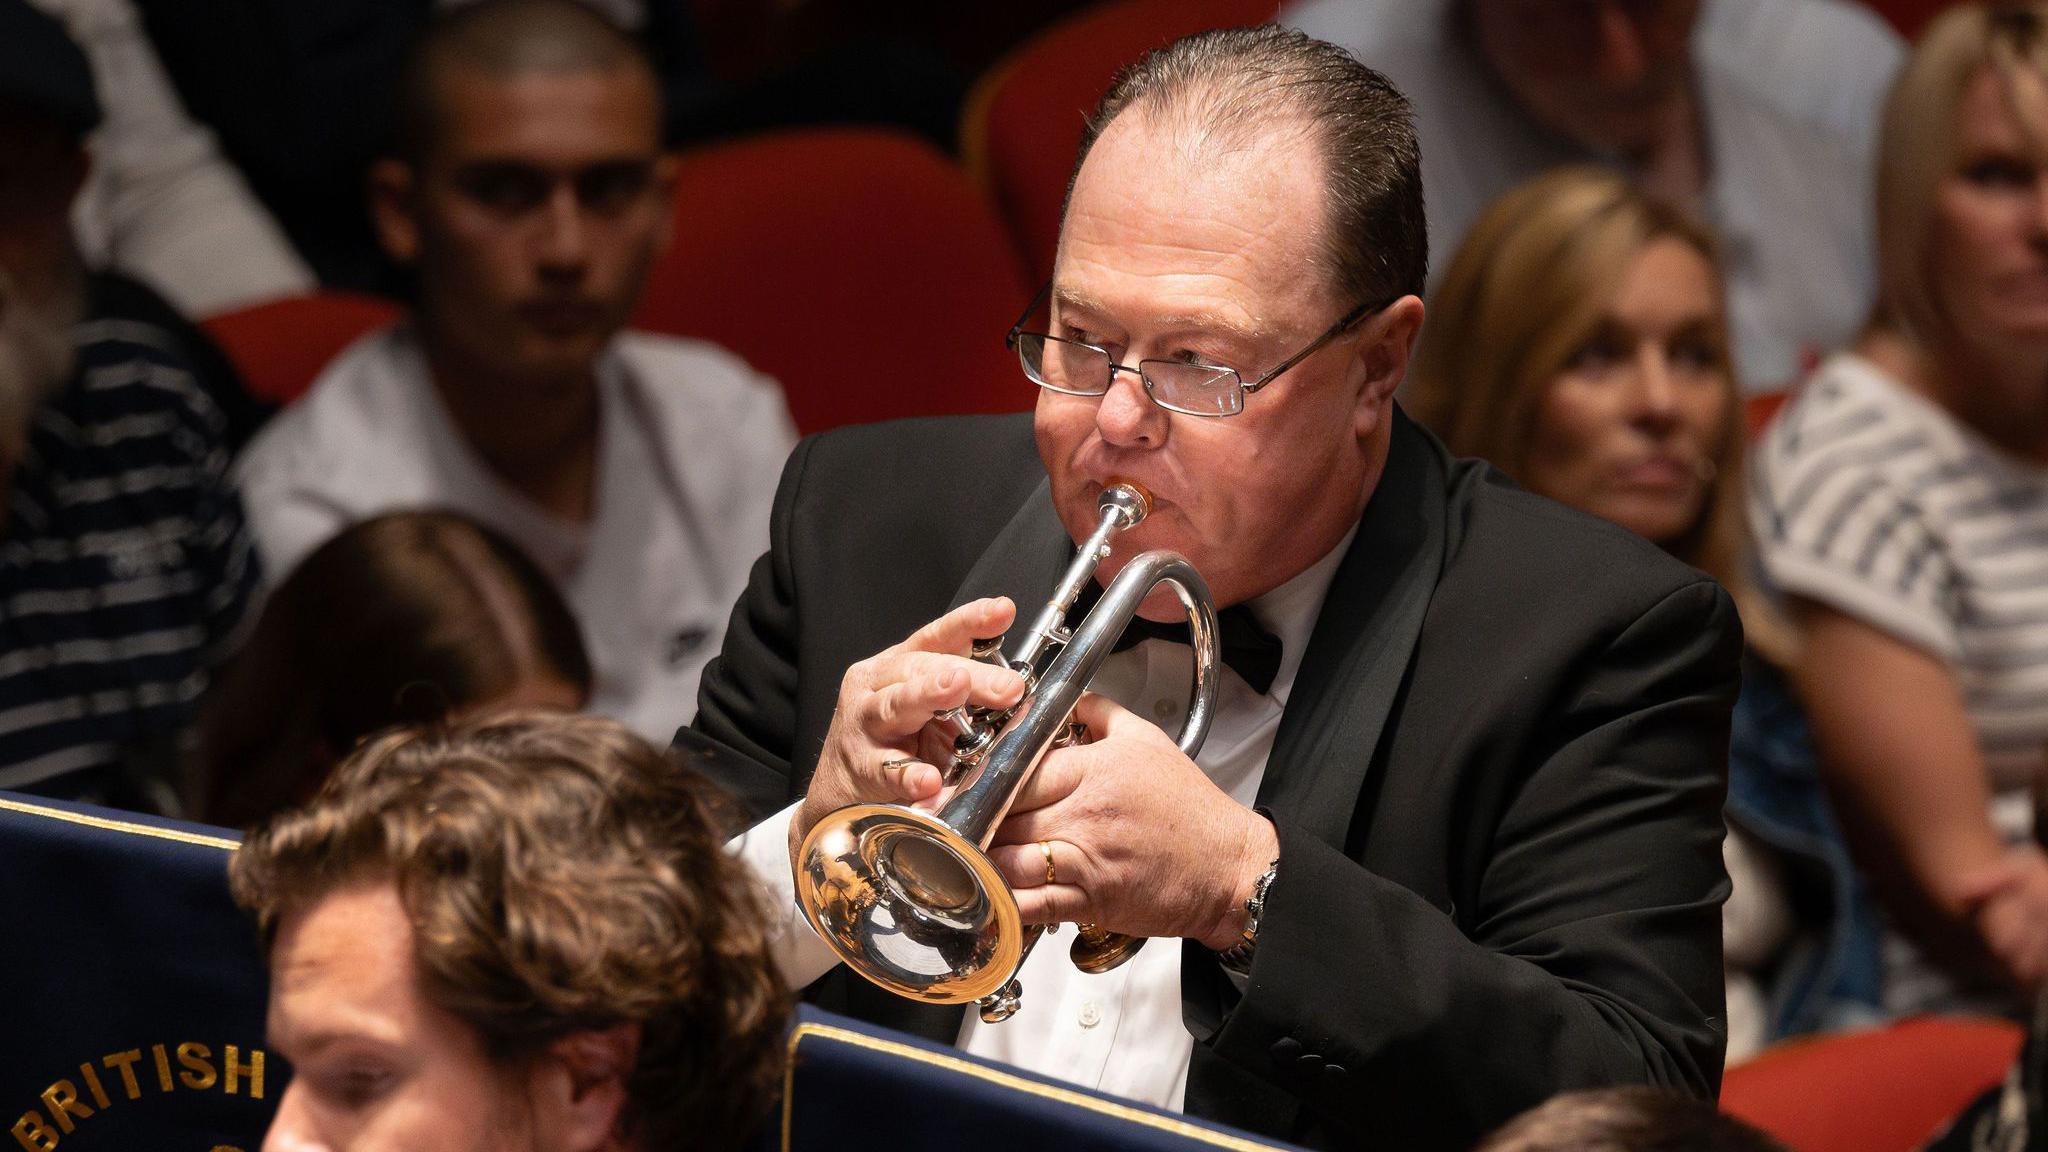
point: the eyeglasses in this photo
(1189, 387)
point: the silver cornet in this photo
(909, 899)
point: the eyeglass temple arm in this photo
(1343, 322)
(1010, 339)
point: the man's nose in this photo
(289, 1130)
(1126, 416)
(564, 231)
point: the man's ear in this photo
(1383, 353)
(579, 1088)
(392, 207)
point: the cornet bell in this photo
(926, 911)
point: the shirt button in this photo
(1090, 1014)
(1163, 709)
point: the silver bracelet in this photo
(1238, 957)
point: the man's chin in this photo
(544, 358)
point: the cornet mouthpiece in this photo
(1129, 501)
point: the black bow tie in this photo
(1251, 651)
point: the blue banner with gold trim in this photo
(135, 990)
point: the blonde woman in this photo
(1902, 503)
(1579, 342)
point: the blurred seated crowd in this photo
(1654, 221)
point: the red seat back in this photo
(1022, 124)
(1760, 408)
(1910, 16)
(1885, 1090)
(858, 267)
(280, 346)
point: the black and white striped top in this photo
(124, 568)
(1870, 498)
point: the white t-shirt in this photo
(1791, 92)
(1873, 500)
(690, 448)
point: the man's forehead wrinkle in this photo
(528, 118)
(1235, 321)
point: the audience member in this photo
(520, 933)
(531, 195)
(58, 124)
(1579, 342)
(406, 618)
(161, 204)
(298, 95)
(1899, 502)
(1760, 114)
(124, 564)
(1627, 1120)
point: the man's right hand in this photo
(885, 709)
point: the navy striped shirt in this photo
(125, 569)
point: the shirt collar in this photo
(1289, 612)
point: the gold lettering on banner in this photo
(64, 1107)
(34, 1135)
(92, 1082)
(235, 1068)
(61, 1099)
(197, 1059)
(124, 1063)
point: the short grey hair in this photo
(1235, 84)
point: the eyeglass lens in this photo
(1084, 370)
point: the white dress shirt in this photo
(1121, 1031)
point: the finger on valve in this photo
(955, 632)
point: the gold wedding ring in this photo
(1045, 846)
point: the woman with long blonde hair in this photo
(1579, 343)
(1902, 505)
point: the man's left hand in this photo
(1141, 840)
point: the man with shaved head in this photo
(529, 195)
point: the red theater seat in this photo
(1760, 409)
(1910, 16)
(1885, 1090)
(1022, 124)
(858, 267)
(280, 346)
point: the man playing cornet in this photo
(1453, 842)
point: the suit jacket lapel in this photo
(1025, 560)
(1359, 652)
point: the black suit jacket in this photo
(1497, 783)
